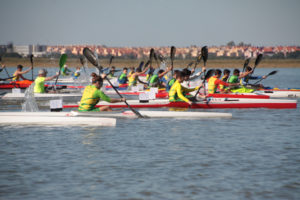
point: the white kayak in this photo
(279, 94)
(53, 119)
(43, 96)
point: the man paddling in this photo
(158, 80)
(92, 95)
(19, 73)
(39, 86)
(247, 75)
(123, 77)
(177, 91)
(133, 77)
(214, 82)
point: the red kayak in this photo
(16, 84)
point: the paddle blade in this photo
(31, 59)
(204, 53)
(0, 58)
(151, 56)
(272, 73)
(147, 63)
(81, 60)
(90, 56)
(111, 59)
(140, 66)
(62, 60)
(173, 51)
(258, 59)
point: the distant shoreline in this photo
(120, 63)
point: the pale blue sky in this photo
(150, 22)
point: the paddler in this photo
(177, 91)
(226, 73)
(19, 73)
(92, 95)
(39, 86)
(133, 77)
(158, 80)
(123, 77)
(65, 71)
(77, 72)
(172, 81)
(214, 82)
(111, 73)
(247, 75)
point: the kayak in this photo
(16, 84)
(209, 103)
(163, 94)
(61, 119)
(279, 93)
(126, 114)
(43, 96)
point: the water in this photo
(254, 155)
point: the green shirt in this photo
(233, 79)
(90, 97)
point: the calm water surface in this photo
(254, 155)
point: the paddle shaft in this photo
(272, 73)
(4, 67)
(31, 60)
(134, 111)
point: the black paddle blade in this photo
(151, 70)
(90, 56)
(0, 58)
(81, 60)
(204, 53)
(246, 63)
(272, 73)
(111, 59)
(31, 58)
(147, 63)
(140, 66)
(151, 54)
(258, 59)
(173, 51)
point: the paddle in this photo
(140, 66)
(246, 63)
(271, 73)
(204, 55)
(110, 60)
(208, 75)
(31, 60)
(91, 57)
(257, 61)
(4, 68)
(151, 56)
(172, 55)
(82, 63)
(62, 62)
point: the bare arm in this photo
(51, 77)
(26, 71)
(113, 100)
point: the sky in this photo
(137, 23)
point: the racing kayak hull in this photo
(210, 103)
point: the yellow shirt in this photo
(39, 86)
(175, 93)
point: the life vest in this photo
(122, 78)
(132, 80)
(39, 86)
(212, 87)
(170, 83)
(222, 87)
(15, 77)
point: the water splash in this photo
(30, 104)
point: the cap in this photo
(43, 71)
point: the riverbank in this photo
(120, 63)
